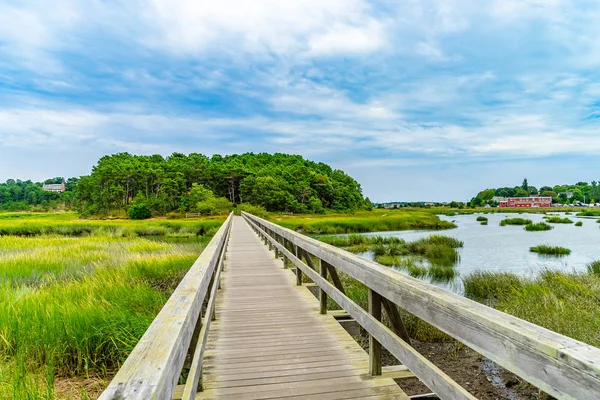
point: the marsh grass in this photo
(589, 213)
(484, 223)
(360, 222)
(76, 306)
(491, 286)
(550, 250)
(482, 219)
(558, 220)
(68, 224)
(578, 223)
(440, 253)
(566, 303)
(594, 267)
(539, 226)
(515, 221)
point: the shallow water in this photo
(506, 248)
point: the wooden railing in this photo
(180, 330)
(558, 365)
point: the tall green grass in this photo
(566, 303)
(76, 306)
(594, 267)
(375, 221)
(68, 224)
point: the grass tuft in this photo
(515, 221)
(540, 226)
(550, 250)
(558, 220)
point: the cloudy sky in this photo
(417, 99)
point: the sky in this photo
(419, 100)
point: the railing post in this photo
(374, 345)
(286, 262)
(322, 295)
(297, 251)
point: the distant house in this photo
(569, 195)
(54, 188)
(498, 199)
(526, 202)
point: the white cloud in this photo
(346, 39)
(263, 26)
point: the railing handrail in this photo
(561, 366)
(154, 366)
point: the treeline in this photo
(196, 183)
(17, 195)
(581, 192)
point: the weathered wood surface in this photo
(427, 372)
(269, 340)
(560, 366)
(153, 368)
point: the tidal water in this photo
(506, 248)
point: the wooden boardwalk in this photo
(269, 340)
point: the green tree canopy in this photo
(277, 182)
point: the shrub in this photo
(214, 206)
(481, 219)
(540, 226)
(550, 250)
(259, 211)
(139, 211)
(578, 223)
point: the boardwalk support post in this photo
(297, 253)
(374, 345)
(322, 295)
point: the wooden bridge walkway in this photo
(269, 340)
(242, 326)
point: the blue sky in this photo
(418, 99)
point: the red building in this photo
(526, 202)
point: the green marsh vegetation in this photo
(550, 250)
(578, 223)
(539, 226)
(434, 256)
(558, 220)
(482, 219)
(589, 213)
(594, 267)
(515, 221)
(360, 222)
(74, 302)
(566, 303)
